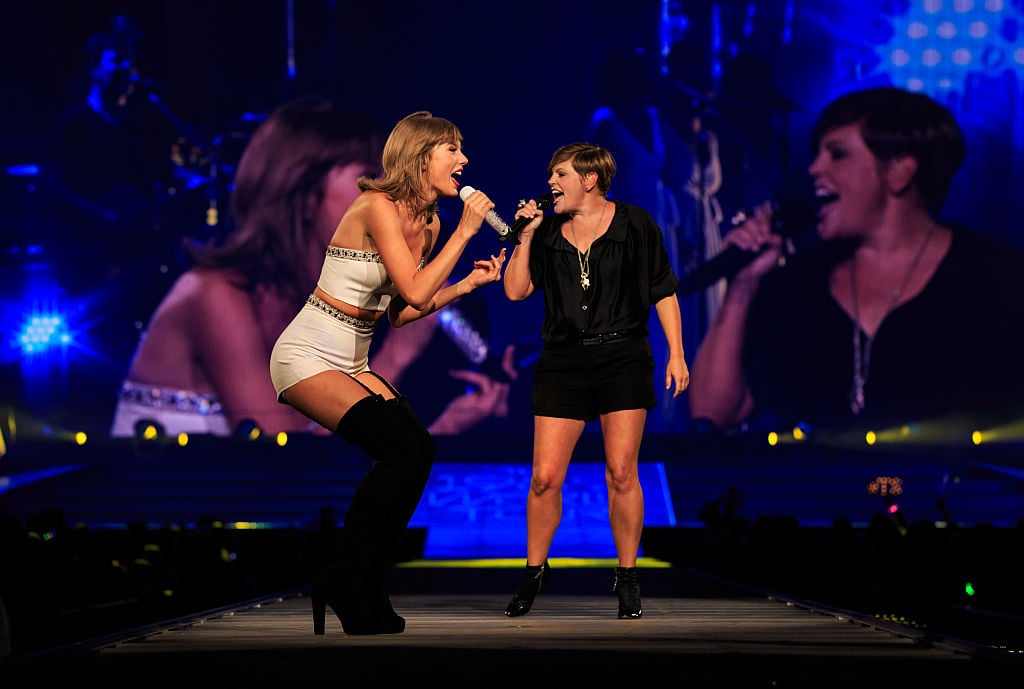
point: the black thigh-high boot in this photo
(410, 498)
(424, 460)
(350, 581)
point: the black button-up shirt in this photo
(629, 272)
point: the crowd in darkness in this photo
(63, 584)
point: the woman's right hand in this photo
(529, 210)
(486, 398)
(474, 210)
(754, 234)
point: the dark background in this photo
(518, 78)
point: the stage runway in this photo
(695, 631)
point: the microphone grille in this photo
(464, 192)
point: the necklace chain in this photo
(862, 352)
(584, 256)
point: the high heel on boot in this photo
(629, 592)
(354, 608)
(533, 579)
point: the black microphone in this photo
(493, 219)
(789, 219)
(544, 202)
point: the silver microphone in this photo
(492, 218)
(470, 342)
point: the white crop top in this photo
(357, 278)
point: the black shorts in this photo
(585, 381)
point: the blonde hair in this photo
(406, 156)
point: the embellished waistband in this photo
(333, 312)
(168, 398)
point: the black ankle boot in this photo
(533, 578)
(629, 592)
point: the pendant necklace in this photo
(584, 256)
(862, 353)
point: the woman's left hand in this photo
(488, 270)
(677, 373)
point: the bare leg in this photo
(623, 432)
(554, 440)
(553, 443)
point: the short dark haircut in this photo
(587, 158)
(896, 122)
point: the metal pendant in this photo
(584, 281)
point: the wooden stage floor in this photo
(695, 631)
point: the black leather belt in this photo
(604, 338)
